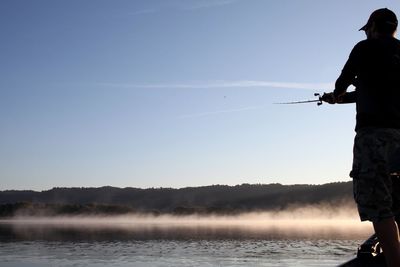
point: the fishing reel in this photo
(320, 98)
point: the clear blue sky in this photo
(174, 93)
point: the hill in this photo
(220, 199)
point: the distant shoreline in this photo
(206, 200)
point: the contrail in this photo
(203, 114)
(208, 4)
(224, 84)
(182, 6)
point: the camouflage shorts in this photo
(376, 192)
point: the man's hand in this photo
(329, 98)
(345, 98)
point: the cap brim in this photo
(363, 28)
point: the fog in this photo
(318, 221)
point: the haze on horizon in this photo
(309, 221)
(174, 93)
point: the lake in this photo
(254, 240)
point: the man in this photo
(374, 68)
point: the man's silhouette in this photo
(374, 68)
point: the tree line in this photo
(214, 199)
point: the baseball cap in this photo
(381, 16)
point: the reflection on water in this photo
(180, 242)
(223, 252)
(76, 232)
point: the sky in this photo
(174, 93)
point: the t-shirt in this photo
(374, 68)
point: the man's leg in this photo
(388, 235)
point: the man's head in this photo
(382, 21)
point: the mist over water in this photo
(322, 235)
(318, 221)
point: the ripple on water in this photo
(65, 245)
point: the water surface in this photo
(181, 242)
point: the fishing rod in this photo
(319, 100)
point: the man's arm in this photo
(345, 98)
(345, 79)
(349, 74)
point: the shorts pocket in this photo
(363, 189)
